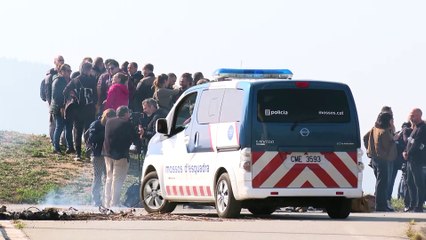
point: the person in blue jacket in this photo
(96, 135)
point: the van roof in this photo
(235, 83)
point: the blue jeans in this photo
(62, 124)
(98, 172)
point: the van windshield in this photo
(302, 105)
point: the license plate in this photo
(305, 158)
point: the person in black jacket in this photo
(96, 141)
(83, 90)
(402, 144)
(134, 77)
(415, 154)
(144, 89)
(119, 134)
(147, 130)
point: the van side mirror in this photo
(161, 126)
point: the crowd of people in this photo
(403, 150)
(95, 106)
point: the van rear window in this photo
(302, 105)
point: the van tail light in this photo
(302, 84)
(245, 159)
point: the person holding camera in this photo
(415, 154)
(152, 112)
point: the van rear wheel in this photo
(226, 205)
(152, 195)
(339, 208)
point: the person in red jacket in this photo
(118, 93)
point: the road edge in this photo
(9, 232)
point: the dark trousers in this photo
(383, 172)
(84, 116)
(404, 186)
(394, 166)
(416, 184)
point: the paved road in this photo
(204, 224)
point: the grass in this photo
(32, 174)
(412, 233)
(398, 204)
(19, 224)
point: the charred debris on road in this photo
(73, 214)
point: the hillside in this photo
(30, 173)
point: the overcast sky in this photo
(376, 47)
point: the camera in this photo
(136, 119)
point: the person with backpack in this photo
(46, 90)
(57, 109)
(95, 140)
(82, 91)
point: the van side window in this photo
(210, 103)
(232, 105)
(183, 113)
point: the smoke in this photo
(74, 194)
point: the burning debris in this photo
(34, 213)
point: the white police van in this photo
(256, 140)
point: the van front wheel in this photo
(262, 210)
(152, 195)
(226, 205)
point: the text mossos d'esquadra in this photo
(188, 168)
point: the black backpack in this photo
(132, 196)
(43, 90)
(46, 87)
